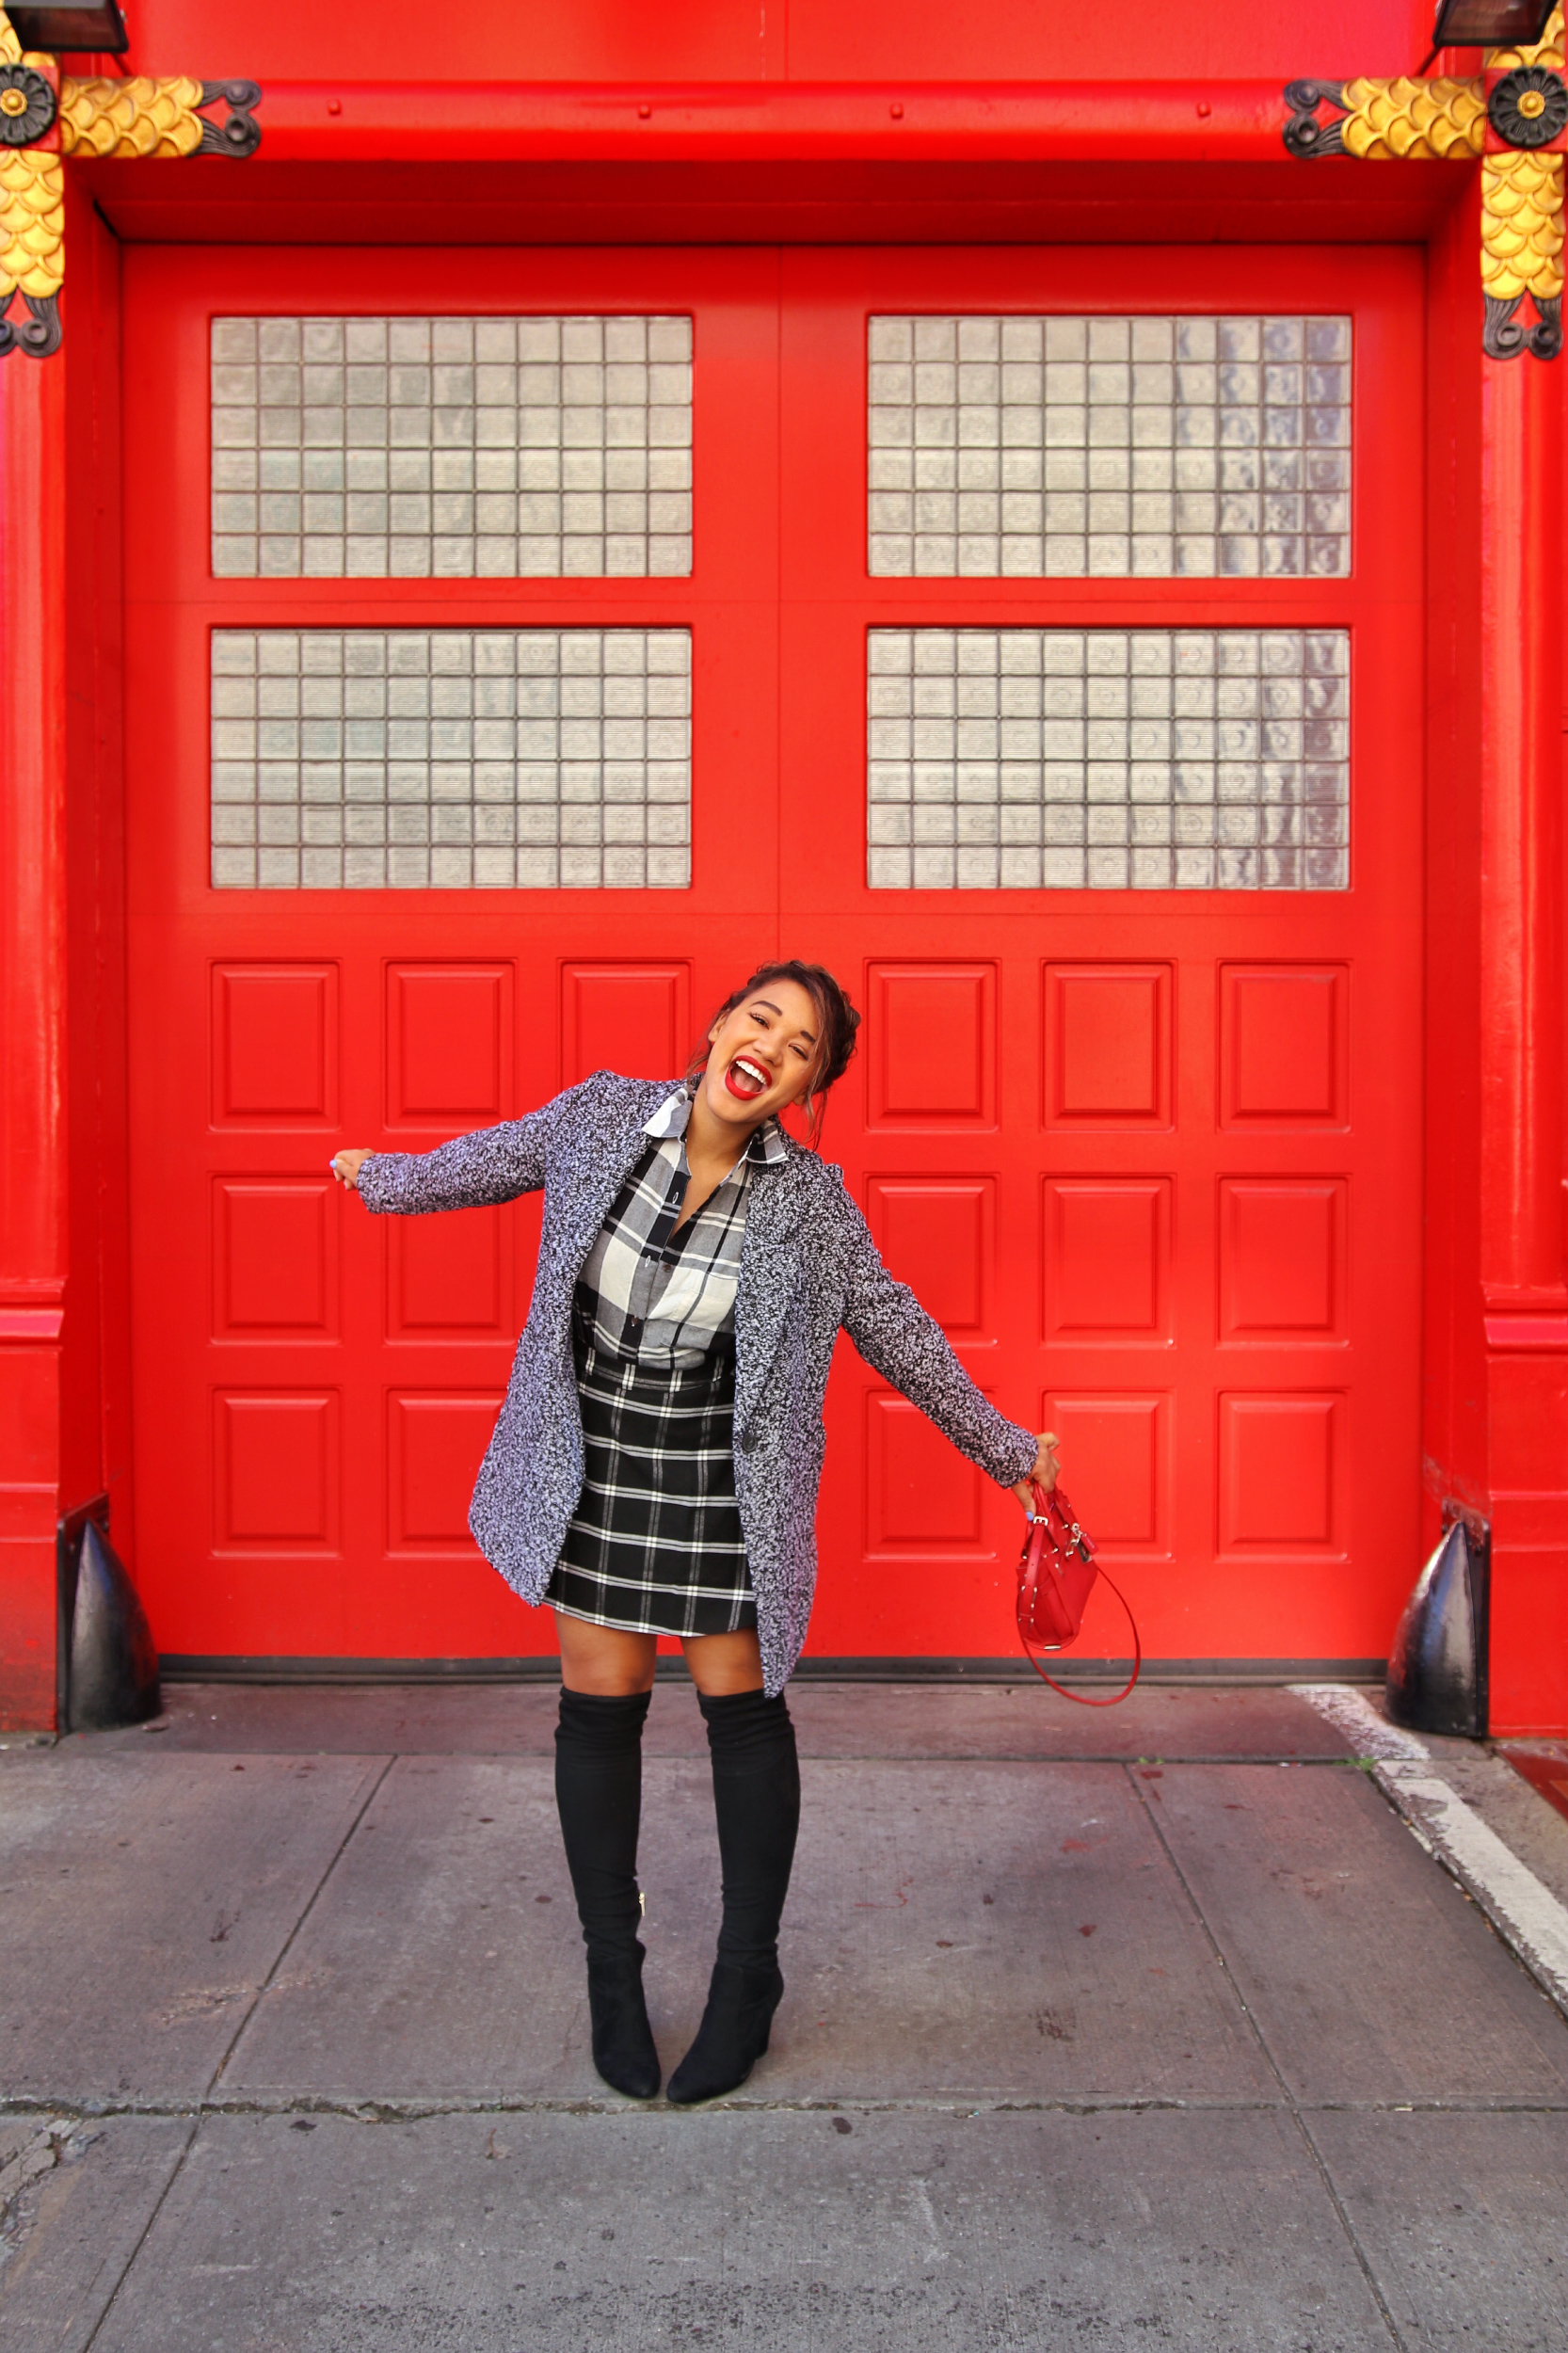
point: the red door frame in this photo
(348, 1394)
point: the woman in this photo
(654, 1468)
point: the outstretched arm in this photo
(491, 1164)
(900, 1340)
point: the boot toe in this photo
(733, 2036)
(634, 2072)
(623, 2046)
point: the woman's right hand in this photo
(346, 1166)
(1045, 1470)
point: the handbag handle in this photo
(1041, 1494)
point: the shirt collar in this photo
(766, 1148)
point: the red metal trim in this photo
(1536, 1332)
(32, 1016)
(32, 814)
(661, 201)
(1521, 1183)
(517, 121)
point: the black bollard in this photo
(1437, 1668)
(112, 1664)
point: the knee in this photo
(725, 1666)
(748, 1724)
(600, 1722)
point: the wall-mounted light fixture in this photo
(1482, 24)
(87, 24)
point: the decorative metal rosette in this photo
(238, 133)
(26, 105)
(1529, 106)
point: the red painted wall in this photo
(95, 1455)
(1496, 1420)
(32, 992)
(64, 1298)
(1454, 1444)
(801, 40)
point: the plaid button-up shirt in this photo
(647, 1292)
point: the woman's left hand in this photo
(1045, 1470)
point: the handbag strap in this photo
(1077, 1697)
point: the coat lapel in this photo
(769, 1262)
(606, 1170)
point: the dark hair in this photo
(837, 1022)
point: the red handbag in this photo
(1056, 1575)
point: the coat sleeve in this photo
(471, 1172)
(897, 1339)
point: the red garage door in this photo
(504, 681)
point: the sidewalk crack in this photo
(142, 2236)
(288, 1944)
(1293, 2104)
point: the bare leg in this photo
(605, 1661)
(612, 1664)
(719, 1664)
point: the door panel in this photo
(1106, 1246)
(449, 1045)
(434, 1449)
(609, 1011)
(274, 1259)
(273, 1045)
(1106, 1046)
(931, 1043)
(940, 1237)
(1283, 1045)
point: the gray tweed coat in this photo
(807, 1267)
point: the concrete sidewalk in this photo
(1149, 2025)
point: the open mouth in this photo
(746, 1079)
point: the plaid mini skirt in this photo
(655, 1544)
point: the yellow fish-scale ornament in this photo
(1412, 120)
(32, 223)
(1521, 224)
(139, 117)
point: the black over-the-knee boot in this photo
(757, 1799)
(599, 1792)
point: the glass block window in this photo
(451, 760)
(1111, 760)
(447, 449)
(1160, 447)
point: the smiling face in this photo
(762, 1055)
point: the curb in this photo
(1526, 1914)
